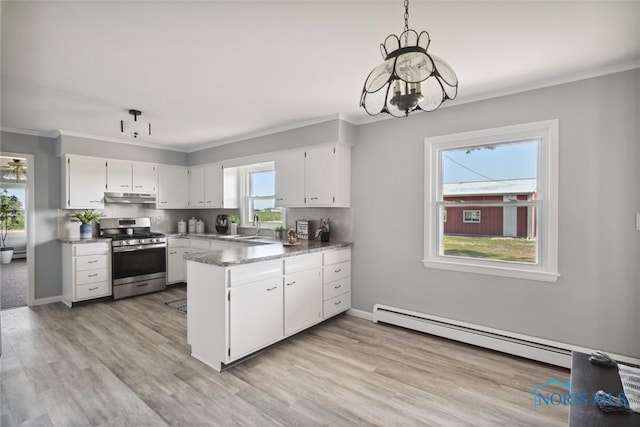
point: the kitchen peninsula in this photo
(241, 300)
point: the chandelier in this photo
(409, 79)
(135, 128)
(15, 171)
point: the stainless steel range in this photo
(138, 256)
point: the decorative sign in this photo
(302, 229)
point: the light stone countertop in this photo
(262, 252)
(79, 240)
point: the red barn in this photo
(507, 221)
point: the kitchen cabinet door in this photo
(196, 187)
(176, 265)
(290, 178)
(302, 300)
(86, 181)
(321, 174)
(255, 316)
(173, 187)
(119, 176)
(214, 186)
(145, 178)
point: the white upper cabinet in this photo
(173, 187)
(131, 177)
(322, 178)
(196, 187)
(145, 178)
(290, 178)
(206, 186)
(214, 186)
(119, 176)
(84, 182)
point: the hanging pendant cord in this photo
(406, 15)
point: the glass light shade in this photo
(409, 79)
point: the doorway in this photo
(17, 286)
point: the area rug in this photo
(14, 280)
(180, 305)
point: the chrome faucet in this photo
(256, 224)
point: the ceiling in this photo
(208, 73)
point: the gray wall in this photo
(596, 302)
(46, 176)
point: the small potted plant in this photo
(233, 220)
(280, 231)
(86, 219)
(10, 206)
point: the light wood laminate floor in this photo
(127, 363)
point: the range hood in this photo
(129, 198)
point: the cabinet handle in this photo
(337, 271)
(124, 185)
(162, 203)
(93, 289)
(92, 262)
(138, 186)
(313, 198)
(172, 253)
(94, 201)
(292, 283)
(209, 201)
(272, 289)
(92, 275)
(337, 287)
(142, 284)
(337, 303)
(280, 198)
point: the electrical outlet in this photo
(157, 220)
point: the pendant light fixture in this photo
(409, 79)
(135, 128)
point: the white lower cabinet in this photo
(86, 271)
(302, 292)
(336, 279)
(176, 264)
(237, 310)
(255, 316)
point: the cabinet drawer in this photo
(91, 248)
(255, 272)
(336, 288)
(302, 263)
(336, 272)
(200, 244)
(91, 262)
(91, 276)
(178, 243)
(335, 257)
(93, 290)
(337, 305)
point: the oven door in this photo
(132, 263)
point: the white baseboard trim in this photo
(360, 314)
(48, 300)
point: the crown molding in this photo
(269, 131)
(43, 134)
(63, 132)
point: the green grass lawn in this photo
(498, 248)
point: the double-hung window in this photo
(491, 201)
(258, 191)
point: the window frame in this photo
(246, 219)
(471, 220)
(546, 267)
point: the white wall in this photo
(596, 302)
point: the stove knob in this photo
(153, 240)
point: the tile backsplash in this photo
(166, 220)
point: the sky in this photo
(505, 161)
(18, 192)
(263, 183)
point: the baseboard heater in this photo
(494, 339)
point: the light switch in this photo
(638, 221)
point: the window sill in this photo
(516, 273)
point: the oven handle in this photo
(138, 247)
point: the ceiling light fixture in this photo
(135, 128)
(16, 171)
(409, 79)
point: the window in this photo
(258, 195)
(15, 195)
(498, 190)
(470, 216)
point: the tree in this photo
(10, 208)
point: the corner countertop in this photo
(263, 252)
(75, 240)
